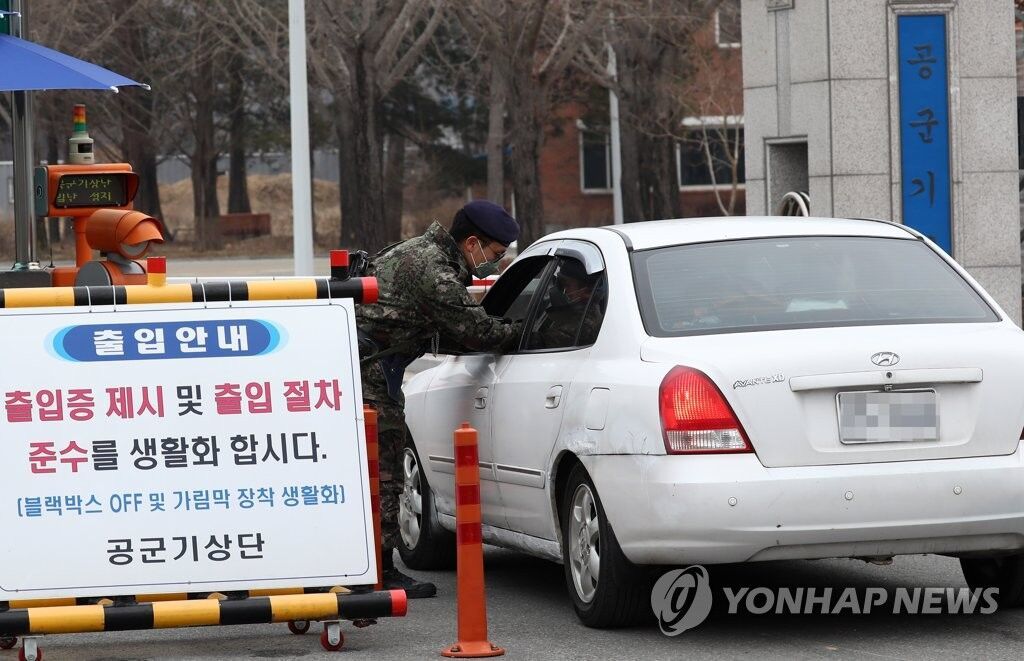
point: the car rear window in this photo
(799, 282)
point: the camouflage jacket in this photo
(423, 301)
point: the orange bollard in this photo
(373, 466)
(472, 602)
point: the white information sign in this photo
(182, 448)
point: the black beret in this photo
(492, 220)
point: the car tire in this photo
(422, 542)
(1003, 572)
(619, 594)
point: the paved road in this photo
(531, 617)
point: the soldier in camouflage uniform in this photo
(424, 302)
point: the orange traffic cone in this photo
(373, 466)
(472, 603)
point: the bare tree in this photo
(360, 52)
(496, 137)
(238, 187)
(258, 62)
(191, 82)
(138, 114)
(653, 42)
(200, 54)
(529, 44)
(708, 97)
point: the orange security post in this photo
(77, 191)
(472, 603)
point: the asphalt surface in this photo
(531, 616)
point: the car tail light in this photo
(695, 417)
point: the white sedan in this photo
(729, 390)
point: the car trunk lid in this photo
(787, 386)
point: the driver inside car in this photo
(575, 307)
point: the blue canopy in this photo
(27, 66)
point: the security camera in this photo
(122, 236)
(128, 234)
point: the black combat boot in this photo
(396, 580)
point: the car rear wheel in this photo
(606, 589)
(422, 542)
(1003, 572)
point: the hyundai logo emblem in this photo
(885, 359)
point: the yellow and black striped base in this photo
(202, 612)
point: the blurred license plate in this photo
(888, 417)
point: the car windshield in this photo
(799, 282)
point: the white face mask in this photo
(484, 268)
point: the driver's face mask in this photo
(484, 268)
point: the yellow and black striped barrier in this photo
(157, 290)
(203, 612)
(148, 598)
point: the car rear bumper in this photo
(730, 508)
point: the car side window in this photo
(570, 310)
(510, 296)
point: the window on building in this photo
(725, 146)
(595, 161)
(727, 24)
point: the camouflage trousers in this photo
(391, 443)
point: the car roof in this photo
(657, 233)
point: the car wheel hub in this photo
(584, 541)
(410, 503)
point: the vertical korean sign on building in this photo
(924, 126)
(182, 449)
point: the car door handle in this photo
(480, 401)
(554, 397)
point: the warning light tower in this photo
(98, 197)
(80, 144)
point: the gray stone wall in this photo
(826, 72)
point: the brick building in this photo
(575, 165)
